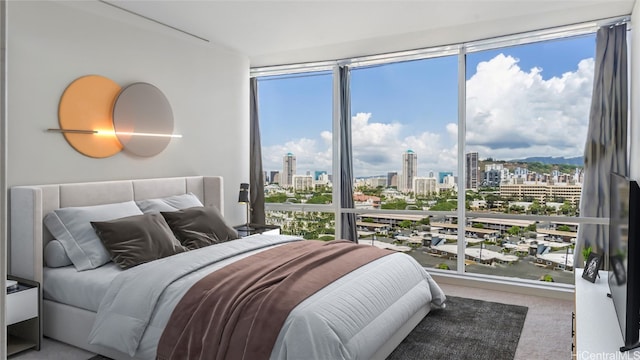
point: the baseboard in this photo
(516, 286)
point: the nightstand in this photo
(257, 229)
(23, 316)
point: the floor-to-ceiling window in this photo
(295, 112)
(527, 112)
(404, 131)
(492, 191)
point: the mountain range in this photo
(578, 160)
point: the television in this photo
(624, 257)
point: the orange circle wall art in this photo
(87, 104)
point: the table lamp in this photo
(243, 198)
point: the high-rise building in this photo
(323, 179)
(318, 173)
(302, 182)
(492, 177)
(288, 170)
(442, 175)
(425, 185)
(274, 177)
(409, 170)
(376, 181)
(449, 182)
(472, 171)
(392, 179)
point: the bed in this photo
(368, 324)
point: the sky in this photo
(522, 101)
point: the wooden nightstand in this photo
(257, 229)
(23, 316)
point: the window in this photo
(404, 136)
(296, 130)
(526, 125)
(503, 202)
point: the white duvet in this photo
(349, 319)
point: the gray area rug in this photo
(465, 329)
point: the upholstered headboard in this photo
(29, 205)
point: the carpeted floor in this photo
(465, 329)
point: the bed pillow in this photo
(170, 203)
(72, 227)
(199, 226)
(137, 239)
(55, 256)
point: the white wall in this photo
(51, 43)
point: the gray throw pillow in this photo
(71, 226)
(199, 226)
(137, 239)
(55, 256)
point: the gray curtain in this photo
(606, 147)
(348, 221)
(256, 173)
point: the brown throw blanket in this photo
(237, 312)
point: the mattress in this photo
(83, 289)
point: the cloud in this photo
(377, 149)
(513, 113)
(310, 155)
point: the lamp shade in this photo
(243, 197)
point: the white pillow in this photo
(55, 256)
(72, 227)
(170, 203)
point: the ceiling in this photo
(294, 31)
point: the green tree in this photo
(514, 230)
(535, 207)
(516, 209)
(547, 278)
(425, 221)
(444, 205)
(319, 199)
(491, 200)
(478, 225)
(567, 209)
(396, 204)
(531, 227)
(310, 235)
(472, 195)
(405, 224)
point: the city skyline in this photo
(494, 174)
(521, 101)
